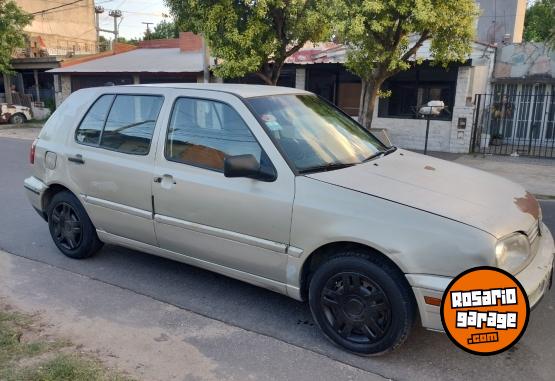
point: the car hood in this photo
(473, 197)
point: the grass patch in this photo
(38, 359)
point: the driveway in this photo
(239, 306)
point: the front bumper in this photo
(35, 189)
(535, 278)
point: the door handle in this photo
(77, 159)
(165, 180)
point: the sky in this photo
(135, 12)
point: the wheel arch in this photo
(53, 189)
(327, 251)
(25, 119)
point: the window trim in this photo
(196, 165)
(106, 121)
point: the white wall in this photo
(445, 136)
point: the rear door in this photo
(111, 159)
(239, 223)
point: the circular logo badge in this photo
(485, 311)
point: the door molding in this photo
(221, 233)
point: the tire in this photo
(362, 303)
(18, 119)
(71, 228)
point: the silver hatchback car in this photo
(278, 188)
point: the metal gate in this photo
(518, 120)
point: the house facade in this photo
(60, 30)
(517, 117)
(153, 61)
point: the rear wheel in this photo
(70, 227)
(18, 119)
(362, 303)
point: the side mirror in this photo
(247, 166)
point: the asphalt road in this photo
(426, 355)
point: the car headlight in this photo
(512, 252)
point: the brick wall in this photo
(190, 42)
(159, 44)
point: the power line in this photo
(53, 8)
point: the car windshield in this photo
(313, 134)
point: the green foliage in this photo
(385, 35)
(165, 29)
(40, 360)
(540, 21)
(66, 368)
(131, 41)
(252, 36)
(12, 22)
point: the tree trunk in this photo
(368, 98)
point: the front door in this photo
(239, 223)
(111, 159)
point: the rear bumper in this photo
(35, 189)
(535, 278)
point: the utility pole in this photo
(98, 10)
(205, 60)
(148, 24)
(115, 13)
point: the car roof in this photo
(244, 91)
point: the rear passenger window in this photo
(123, 123)
(203, 133)
(131, 123)
(91, 127)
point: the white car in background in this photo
(14, 114)
(276, 187)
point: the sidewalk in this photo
(27, 131)
(152, 340)
(536, 175)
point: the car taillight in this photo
(32, 152)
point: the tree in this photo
(383, 37)
(164, 29)
(12, 22)
(539, 21)
(252, 36)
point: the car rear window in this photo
(91, 127)
(122, 123)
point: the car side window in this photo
(203, 133)
(130, 124)
(92, 124)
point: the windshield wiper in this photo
(326, 167)
(388, 151)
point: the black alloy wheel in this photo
(362, 302)
(71, 228)
(356, 307)
(68, 229)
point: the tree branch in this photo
(423, 37)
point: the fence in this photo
(518, 121)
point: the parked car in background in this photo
(276, 187)
(14, 114)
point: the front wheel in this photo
(70, 227)
(18, 119)
(362, 303)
